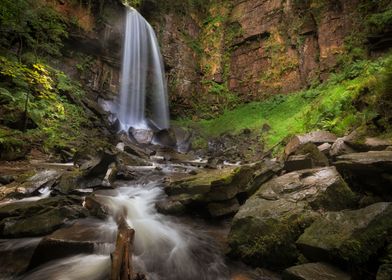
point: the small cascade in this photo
(143, 94)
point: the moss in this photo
(268, 243)
(350, 99)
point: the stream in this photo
(165, 247)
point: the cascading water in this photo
(143, 93)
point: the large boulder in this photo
(220, 188)
(353, 237)
(36, 218)
(315, 271)
(369, 171)
(266, 227)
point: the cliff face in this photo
(92, 52)
(244, 50)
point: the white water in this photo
(163, 249)
(143, 93)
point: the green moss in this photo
(348, 100)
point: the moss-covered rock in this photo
(349, 236)
(266, 227)
(314, 271)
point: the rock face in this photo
(313, 271)
(349, 236)
(266, 227)
(252, 48)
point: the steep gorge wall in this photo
(222, 53)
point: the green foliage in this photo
(378, 22)
(334, 106)
(31, 25)
(47, 97)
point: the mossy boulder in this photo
(35, 218)
(314, 271)
(214, 189)
(352, 236)
(266, 227)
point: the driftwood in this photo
(122, 256)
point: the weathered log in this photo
(122, 256)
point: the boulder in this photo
(266, 227)
(83, 237)
(369, 171)
(353, 236)
(41, 223)
(314, 271)
(316, 137)
(31, 185)
(220, 209)
(170, 207)
(339, 147)
(35, 218)
(165, 137)
(142, 136)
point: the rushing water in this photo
(143, 93)
(163, 249)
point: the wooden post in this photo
(122, 256)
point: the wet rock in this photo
(264, 171)
(142, 136)
(40, 223)
(214, 185)
(124, 174)
(30, 186)
(170, 207)
(266, 227)
(34, 218)
(98, 164)
(219, 209)
(369, 171)
(314, 271)
(348, 236)
(68, 182)
(16, 255)
(339, 147)
(316, 137)
(165, 137)
(183, 139)
(83, 237)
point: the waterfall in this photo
(143, 93)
